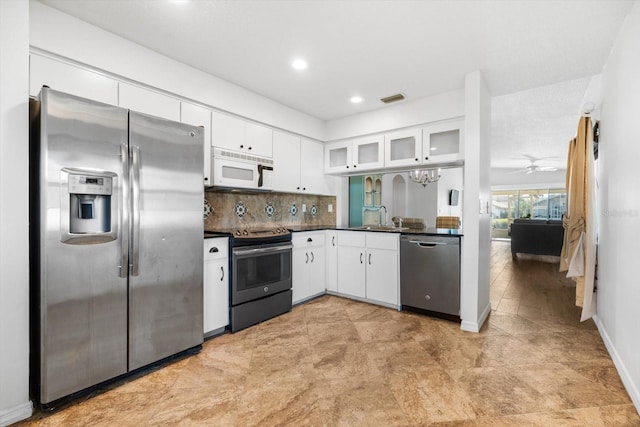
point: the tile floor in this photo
(337, 362)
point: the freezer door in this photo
(82, 290)
(165, 283)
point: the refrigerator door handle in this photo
(124, 212)
(135, 229)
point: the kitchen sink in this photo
(379, 228)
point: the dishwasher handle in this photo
(426, 245)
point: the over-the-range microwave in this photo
(231, 169)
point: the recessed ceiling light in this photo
(434, 148)
(299, 64)
(356, 99)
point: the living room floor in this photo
(334, 361)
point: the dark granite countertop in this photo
(295, 228)
(301, 228)
(217, 233)
(422, 231)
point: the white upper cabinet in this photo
(240, 135)
(286, 162)
(297, 164)
(70, 79)
(443, 142)
(148, 102)
(311, 159)
(403, 148)
(337, 157)
(199, 116)
(259, 139)
(368, 153)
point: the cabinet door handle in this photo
(307, 260)
(369, 259)
(222, 271)
(312, 257)
(213, 250)
(333, 240)
(242, 146)
(360, 257)
(309, 239)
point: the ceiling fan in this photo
(533, 167)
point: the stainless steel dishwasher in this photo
(430, 273)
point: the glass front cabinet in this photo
(337, 157)
(403, 148)
(443, 142)
(360, 154)
(432, 144)
(368, 153)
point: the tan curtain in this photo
(579, 247)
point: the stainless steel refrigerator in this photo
(116, 232)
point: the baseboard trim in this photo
(471, 326)
(15, 414)
(629, 385)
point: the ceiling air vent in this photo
(393, 98)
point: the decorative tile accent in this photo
(208, 209)
(313, 210)
(240, 209)
(269, 210)
(248, 210)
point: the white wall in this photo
(405, 114)
(422, 202)
(14, 221)
(509, 177)
(476, 249)
(618, 293)
(450, 179)
(56, 32)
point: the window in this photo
(507, 205)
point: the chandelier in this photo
(424, 176)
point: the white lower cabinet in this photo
(382, 275)
(216, 284)
(308, 265)
(332, 260)
(368, 266)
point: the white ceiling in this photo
(378, 48)
(536, 122)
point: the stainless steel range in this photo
(260, 275)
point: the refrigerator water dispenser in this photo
(88, 206)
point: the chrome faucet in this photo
(399, 222)
(385, 216)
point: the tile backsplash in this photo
(265, 210)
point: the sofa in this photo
(536, 237)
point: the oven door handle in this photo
(261, 250)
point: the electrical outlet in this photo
(304, 207)
(330, 207)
